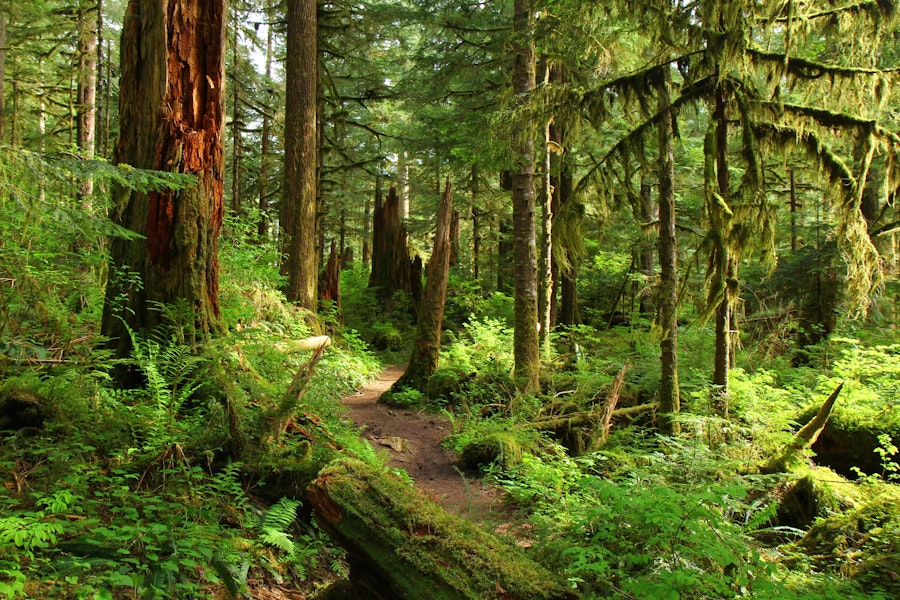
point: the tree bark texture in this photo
(87, 78)
(299, 203)
(648, 214)
(235, 125)
(568, 291)
(263, 225)
(724, 261)
(669, 394)
(330, 290)
(390, 254)
(545, 284)
(427, 345)
(525, 336)
(476, 228)
(402, 546)
(455, 228)
(2, 65)
(172, 115)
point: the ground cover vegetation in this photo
(660, 309)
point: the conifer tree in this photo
(172, 113)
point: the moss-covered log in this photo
(805, 438)
(401, 545)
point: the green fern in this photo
(273, 531)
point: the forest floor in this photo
(413, 440)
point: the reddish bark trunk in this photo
(172, 114)
(330, 288)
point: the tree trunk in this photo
(568, 297)
(263, 225)
(172, 115)
(545, 285)
(299, 206)
(330, 290)
(455, 227)
(402, 546)
(526, 350)
(724, 261)
(235, 122)
(86, 93)
(476, 228)
(669, 394)
(2, 64)
(100, 87)
(390, 254)
(367, 233)
(649, 214)
(427, 345)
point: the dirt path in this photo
(413, 439)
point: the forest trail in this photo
(413, 440)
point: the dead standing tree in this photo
(427, 346)
(391, 267)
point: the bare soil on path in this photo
(413, 440)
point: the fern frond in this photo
(278, 539)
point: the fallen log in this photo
(402, 546)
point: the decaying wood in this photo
(598, 416)
(805, 438)
(609, 407)
(280, 416)
(402, 546)
(390, 251)
(427, 345)
(330, 288)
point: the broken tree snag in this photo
(609, 407)
(280, 416)
(330, 287)
(172, 115)
(390, 253)
(427, 345)
(805, 438)
(402, 546)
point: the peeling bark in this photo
(172, 114)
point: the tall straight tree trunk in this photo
(2, 65)
(423, 361)
(476, 228)
(526, 350)
(87, 90)
(263, 225)
(299, 203)
(235, 122)
(725, 261)
(105, 126)
(649, 213)
(669, 394)
(545, 283)
(568, 289)
(172, 114)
